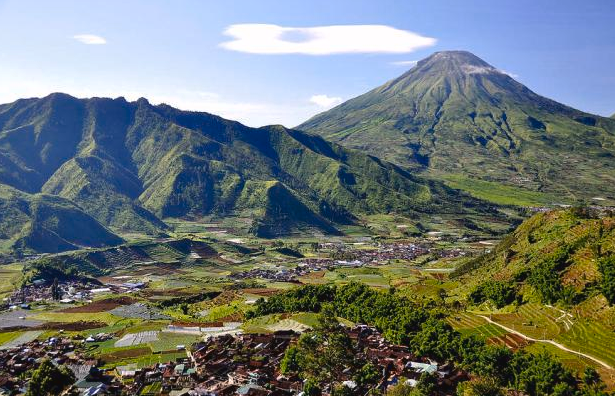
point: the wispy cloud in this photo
(325, 100)
(410, 63)
(509, 74)
(322, 40)
(90, 39)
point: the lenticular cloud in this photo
(323, 40)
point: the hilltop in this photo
(455, 117)
(128, 166)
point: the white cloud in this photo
(325, 101)
(90, 39)
(323, 40)
(410, 63)
(511, 75)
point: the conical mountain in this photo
(455, 117)
(131, 165)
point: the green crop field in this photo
(533, 320)
(484, 332)
(498, 193)
(169, 341)
(592, 338)
(9, 336)
(9, 277)
(152, 389)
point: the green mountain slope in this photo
(564, 256)
(130, 165)
(44, 223)
(455, 117)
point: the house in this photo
(252, 390)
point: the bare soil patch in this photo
(512, 341)
(124, 354)
(72, 326)
(265, 292)
(315, 275)
(101, 305)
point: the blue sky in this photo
(173, 51)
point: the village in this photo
(347, 256)
(66, 291)
(229, 364)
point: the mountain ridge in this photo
(130, 165)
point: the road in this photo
(556, 344)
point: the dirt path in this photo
(556, 344)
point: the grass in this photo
(146, 360)
(170, 341)
(592, 338)
(152, 389)
(259, 324)
(104, 317)
(307, 318)
(470, 324)
(484, 332)
(9, 277)
(570, 360)
(237, 307)
(533, 320)
(9, 336)
(497, 192)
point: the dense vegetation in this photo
(606, 266)
(423, 329)
(131, 165)
(39, 222)
(459, 119)
(501, 293)
(564, 256)
(49, 379)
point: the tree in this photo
(501, 293)
(480, 387)
(541, 375)
(606, 266)
(400, 390)
(55, 290)
(290, 361)
(49, 379)
(322, 355)
(367, 375)
(437, 339)
(311, 388)
(592, 383)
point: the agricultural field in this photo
(534, 320)
(9, 277)
(592, 338)
(469, 324)
(498, 193)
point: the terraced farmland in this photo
(469, 324)
(512, 341)
(533, 320)
(592, 338)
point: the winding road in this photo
(556, 344)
